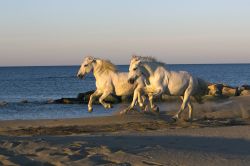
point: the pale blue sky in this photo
(62, 32)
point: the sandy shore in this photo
(219, 135)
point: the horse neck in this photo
(98, 69)
(145, 71)
(151, 67)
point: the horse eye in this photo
(135, 69)
(85, 65)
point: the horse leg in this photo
(156, 93)
(92, 98)
(190, 109)
(153, 106)
(141, 99)
(184, 104)
(101, 100)
(134, 101)
(190, 114)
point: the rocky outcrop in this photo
(83, 98)
(223, 90)
(215, 92)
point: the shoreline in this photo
(219, 135)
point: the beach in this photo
(124, 83)
(219, 135)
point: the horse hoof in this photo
(190, 120)
(143, 108)
(156, 109)
(175, 118)
(146, 109)
(108, 106)
(90, 110)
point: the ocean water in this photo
(40, 84)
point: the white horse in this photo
(162, 81)
(109, 81)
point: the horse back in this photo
(121, 84)
(178, 82)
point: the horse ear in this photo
(92, 59)
(134, 56)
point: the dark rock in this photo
(245, 87)
(24, 101)
(126, 98)
(67, 101)
(230, 91)
(84, 98)
(3, 103)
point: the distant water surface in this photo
(39, 84)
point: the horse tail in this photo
(198, 99)
(202, 90)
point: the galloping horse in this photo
(109, 81)
(162, 81)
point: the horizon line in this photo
(128, 64)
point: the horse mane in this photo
(107, 65)
(148, 59)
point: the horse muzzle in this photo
(81, 76)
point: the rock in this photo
(3, 103)
(215, 89)
(222, 90)
(66, 101)
(245, 93)
(245, 87)
(113, 99)
(230, 91)
(84, 97)
(24, 101)
(126, 98)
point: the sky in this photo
(63, 32)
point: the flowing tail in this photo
(202, 90)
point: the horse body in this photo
(178, 82)
(162, 81)
(109, 81)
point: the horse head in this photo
(86, 66)
(134, 70)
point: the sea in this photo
(24, 91)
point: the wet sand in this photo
(219, 135)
